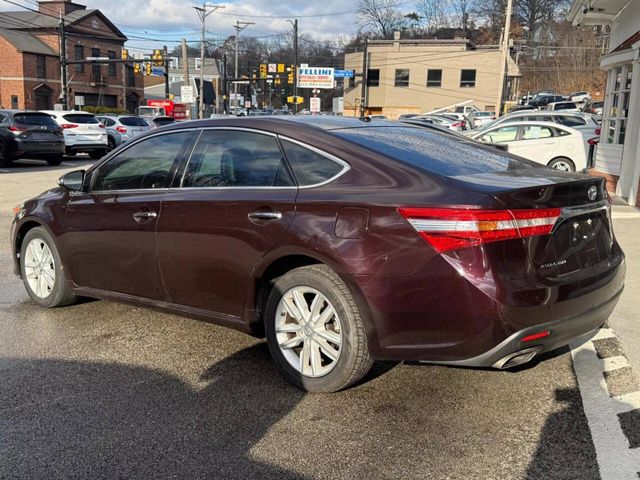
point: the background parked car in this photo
(477, 119)
(157, 122)
(442, 121)
(122, 128)
(546, 143)
(594, 108)
(28, 134)
(83, 132)
(522, 108)
(580, 97)
(565, 106)
(540, 101)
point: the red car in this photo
(341, 241)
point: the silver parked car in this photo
(441, 121)
(122, 128)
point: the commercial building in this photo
(29, 55)
(417, 76)
(616, 156)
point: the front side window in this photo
(310, 167)
(534, 132)
(373, 77)
(145, 165)
(571, 121)
(434, 78)
(467, 78)
(224, 158)
(501, 135)
(402, 77)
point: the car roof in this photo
(66, 112)
(531, 122)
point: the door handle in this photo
(144, 214)
(265, 215)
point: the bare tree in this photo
(433, 14)
(535, 14)
(462, 10)
(381, 17)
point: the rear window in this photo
(571, 121)
(163, 121)
(434, 152)
(133, 122)
(34, 119)
(483, 114)
(80, 118)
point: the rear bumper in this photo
(39, 149)
(86, 147)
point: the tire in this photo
(4, 156)
(97, 154)
(69, 153)
(344, 329)
(111, 144)
(562, 163)
(48, 294)
(54, 161)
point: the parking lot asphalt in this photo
(103, 390)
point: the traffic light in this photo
(125, 54)
(136, 68)
(147, 68)
(277, 81)
(158, 58)
(290, 75)
(263, 70)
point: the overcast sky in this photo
(171, 20)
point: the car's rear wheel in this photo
(54, 161)
(111, 144)
(315, 330)
(42, 272)
(562, 163)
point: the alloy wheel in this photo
(40, 268)
(308, 331)
(563, 166)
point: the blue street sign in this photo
(157, 71)
(343, 73)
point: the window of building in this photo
(373, 77)
(112, 66)
(352, 82)
(617, 104)
(78, 53)
(467, 78)
(41, 66)
(402, 77)
(14, 102)
(434, 78)
(95, 68)
(131, 76)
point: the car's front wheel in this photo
(54, 161)
(97, 154)
(315, 330)
(42, 272)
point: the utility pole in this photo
(203, 13)
(185, 70)
(225, 105)
(165, 52)
(239, 26)
(365, 71)
(504, 68)
(63, 66)
(295, 66)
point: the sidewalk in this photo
(625, 319)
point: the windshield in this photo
(133, 122)
(82, 118)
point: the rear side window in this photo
(310, 167)
(224, 158)
(133, 122)
(533, 132)
(34, 119)
(501, 135)
(433, 152)
(571, 121)
(80, 118)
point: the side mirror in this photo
(72, 181)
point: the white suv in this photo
(82, 131)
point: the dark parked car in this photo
(25, 134)
(540, 101)
(340, 240)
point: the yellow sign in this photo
(281, 68)
(291, 99)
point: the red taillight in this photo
(13, 128)
(452, 228)
(121, 129)
(65, 126)
(598, 130)
(101, 125)
(459, 124)
(593, 141)
(535, 336)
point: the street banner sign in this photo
(247, 104)
(343, 74)
(315, 77)
(314, 104)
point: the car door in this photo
(110, 228)
(235, 199)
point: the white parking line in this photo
(614, 363)
(615, 459)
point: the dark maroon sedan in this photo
(341, 241)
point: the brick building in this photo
(29, 55)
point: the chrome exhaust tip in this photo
(515, 359)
